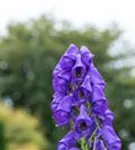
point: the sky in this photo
(80, 12)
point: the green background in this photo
(28, 53)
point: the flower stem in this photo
(84, 145)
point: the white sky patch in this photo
(79, 12)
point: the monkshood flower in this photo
(83, 122)
(62, 112)
(67, 142)
(79, 103)
(99, 145)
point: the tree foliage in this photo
(28, 54)
(20, 130)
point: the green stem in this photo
(94, 143)
(84, 145)
(94, 132)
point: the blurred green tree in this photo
(20, 130)
(28, 54)
(2, 136)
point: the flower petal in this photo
(83, 122)
(100, 145)
(111, 139)
(97, 93)
(96, 77)
(68, 140)
(68, 59)
(87, 56)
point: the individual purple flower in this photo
(112, 141)
(83, 122)
(57, 97)
(96, 77)
(108, 118)
(62, 146)
(83, 92)
(87, 56)
(81, 96)
(68, 59)
(99, 145)
(93, 129)
(78, 71)
(86, 84)
(67, 142)
(99, 107)
(97, 93)
(61, 81)
(62, 113)
(60, 84)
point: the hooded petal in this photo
(68, 59)
(65, 74)
(72, 51)
(79, 69)
(99, 107)
(99, 145)
(87, 84)
(62, 146)
(62, 113)
(81, 95)
(83, 122)
(68, 140)
(65, 104)
(87, 56)
(112, 141)
(61, 117)
(57, 97)
(92, 129)
(96, 77)
(108, 118)
(60, 84)
(97, 93)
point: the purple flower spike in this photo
(79, 101)
(83, 122)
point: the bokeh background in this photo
(33, 36)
